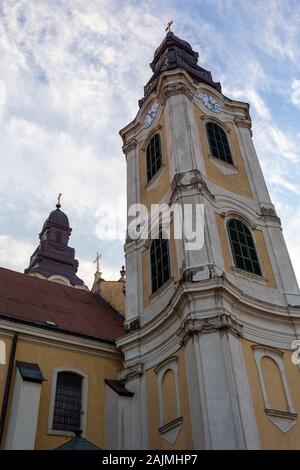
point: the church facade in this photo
(194, 348)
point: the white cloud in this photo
(296, 92)
(73, 72)
(14, 253)
(2, 93)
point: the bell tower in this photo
(200, 321)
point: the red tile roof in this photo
(29, 299)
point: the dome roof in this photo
(175, 53)
(171, 38)
(58, 217)
(53, 257)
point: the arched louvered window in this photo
(218, 142)
(243, 248)
(68, 402)
(154, 156)
(160, 262)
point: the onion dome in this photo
(174, 53)
(53, 256)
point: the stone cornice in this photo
(133, 372)
(178, 81)
(174, 89)
(130, 145)
(242, 122)
(190, 179)
(269, 214)
(224, 293)
(223, 322)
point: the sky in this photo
(71, 74)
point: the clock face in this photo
(150, 115)
(210, 102)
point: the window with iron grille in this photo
(218, 142)
(154, 156)
(243, 248)
(68, 402)
(160, 262)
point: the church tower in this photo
(209, 331)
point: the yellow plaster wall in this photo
(148, 297)
(270, 436)
(184, 439)
(274, 385)
(151, 193)
(96, 367)
(113, 293)
(236, 182)
(169, 396)
(261, 248)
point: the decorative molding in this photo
(284, 420)
(216, 120)
(269, 213)
(246, 219)
(132, 372)
(199, 273)
(208, 325)
(171, 430)
(175, 89)
(130, 145)
(191, 178)
(132, 325)
(167, 429)
(242, 122)
(264, 322)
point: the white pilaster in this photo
(23, 414)
(117, 420)
(139, 421)
(132, 283)
(225, 399)
(181, 146)
(195, 390)
(252, 165)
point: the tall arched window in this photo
(68, 402)
(154, 156)
(243, 248)
(160, 262)
(218, 142)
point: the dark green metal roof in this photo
(78, 443)
(30, 372)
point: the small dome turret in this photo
(53, 256)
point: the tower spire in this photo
(174, 53)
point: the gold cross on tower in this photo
(168, 28)
(98, 256)
(58, 200)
